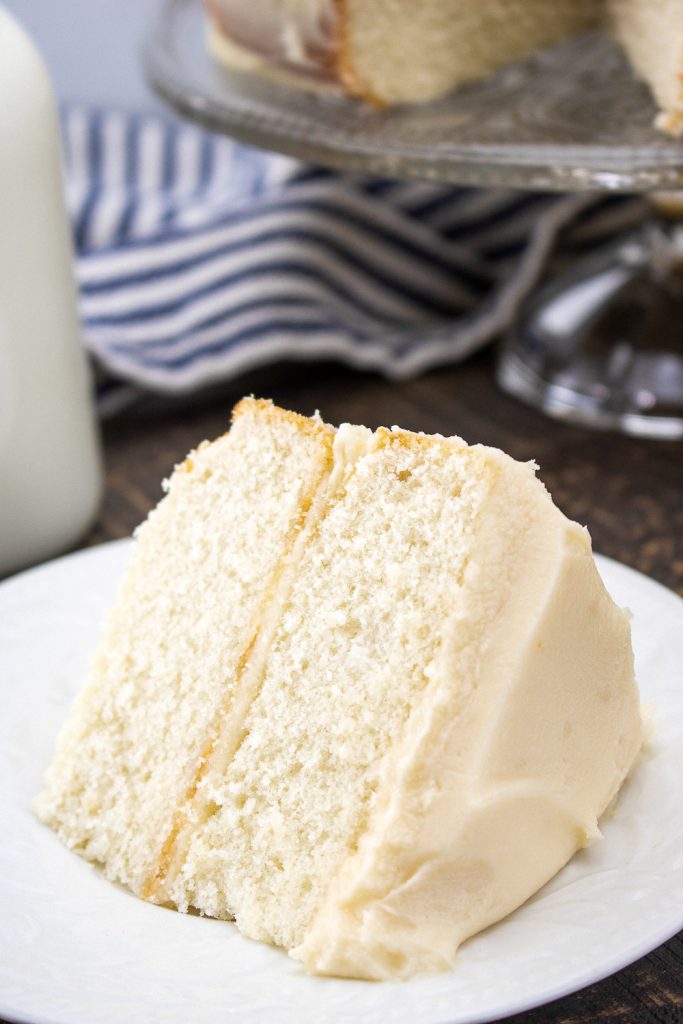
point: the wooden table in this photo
(628, 492)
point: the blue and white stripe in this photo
(200, 259)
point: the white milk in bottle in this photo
(50, 475)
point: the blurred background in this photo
(92, 50)
(628, 492)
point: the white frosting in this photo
(285, 30)
(485, 803)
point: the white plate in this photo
(75, 949)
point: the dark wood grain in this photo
(628, 492)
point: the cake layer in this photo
(393, 52)
(178, 641)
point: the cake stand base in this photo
(602, 345)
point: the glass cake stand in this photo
(601, 345)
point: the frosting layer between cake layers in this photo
(173, 653)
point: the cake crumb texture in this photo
(362, 692)
(171, 651)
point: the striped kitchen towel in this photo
(199, 258)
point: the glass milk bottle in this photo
(50, 476)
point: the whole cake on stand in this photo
(391, 51)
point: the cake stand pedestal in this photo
(602, 344)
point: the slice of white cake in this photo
(362, 692)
